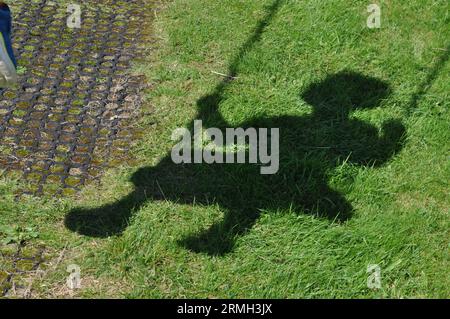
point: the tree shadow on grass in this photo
(311, 147)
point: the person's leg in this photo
(8, 75)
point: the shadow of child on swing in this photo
(310, 149)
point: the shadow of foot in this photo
(104, 221)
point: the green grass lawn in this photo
(364, 161)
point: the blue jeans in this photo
(8, 62)
(5, 29)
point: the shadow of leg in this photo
(220, 238)
(330, 204)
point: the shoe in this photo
(8, 74)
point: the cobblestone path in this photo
(71, 115)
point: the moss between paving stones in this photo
(15, 262)
(74, 93)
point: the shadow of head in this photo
(343, 92)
